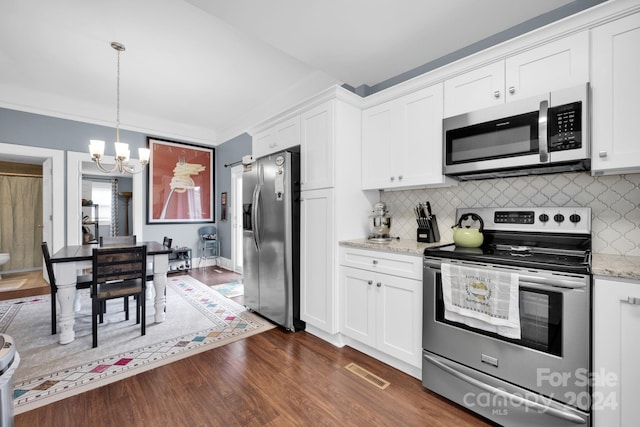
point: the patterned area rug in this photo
(198, 319)
(230, 290)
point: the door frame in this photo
(236, 217)
(75, 167)
(53, 230)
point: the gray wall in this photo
(17, 127)
(227, 153)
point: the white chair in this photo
(209, 243)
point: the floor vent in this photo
(367, 376)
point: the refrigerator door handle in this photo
(257, 231)
(254, 215)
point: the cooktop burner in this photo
(538, 238)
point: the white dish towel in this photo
(481, 298)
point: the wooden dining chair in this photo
(115, 240)
(118, 272)
(82, 282)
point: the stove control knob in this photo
(544, 218)
(558, 217)
(575, 218)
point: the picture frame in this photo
(223, 206)
(180, 183)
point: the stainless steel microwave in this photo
(542, 134)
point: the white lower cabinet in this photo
(381, 310)
(616, 352)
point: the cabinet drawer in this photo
(408, 266)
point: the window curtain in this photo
(21, 221)
(115, 226)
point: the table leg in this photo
(66, 280)
(160, 268)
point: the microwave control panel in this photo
(565, 127)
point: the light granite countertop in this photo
(616, 266)
(403, 246)
(613, 266)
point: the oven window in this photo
(514, 136)
(540, 319)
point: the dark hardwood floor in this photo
(276, 378)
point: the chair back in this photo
(166, 242)
(119, 264)
(207, 232)
(49, 265)
(117, 240)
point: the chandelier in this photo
(96, 147)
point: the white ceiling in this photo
(207, 70)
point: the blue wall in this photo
(227, 153)
(21, 128)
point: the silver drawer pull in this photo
(632, 300)
(369, 282)
(378, 284)
(375, 262)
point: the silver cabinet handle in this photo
(393, 178)
(632, 300)
(369, 282)
(375, 261)
(512, 89)
(602, 154)
(400, 177)
(496, 94)
(378, 284)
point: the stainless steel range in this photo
(506, 329)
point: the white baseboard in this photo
(221, 261)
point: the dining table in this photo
(68, 260)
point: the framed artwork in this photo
(180, 183)
(223, 206)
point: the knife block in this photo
(429, 234)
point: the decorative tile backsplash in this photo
(614, 201)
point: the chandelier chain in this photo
(118, 99)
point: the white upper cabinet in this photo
(615, 89)
(556, 65)
(283, 135)
(402, 142)
(317, 147)
(474, 90)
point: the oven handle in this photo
(568, 416)
(555, 282)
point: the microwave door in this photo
(497, 144)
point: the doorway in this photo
(236, 218)
(52, 162)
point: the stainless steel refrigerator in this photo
(271, 238)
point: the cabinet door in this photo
(474, 90)
(358, 302)
(378, 136)
(282, 135)
(317, 260)
(399, 317)
(317, 147)
(556, 65)
(615, 352)
(615, 95)
(420, 146)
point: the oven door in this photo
(552, 356)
